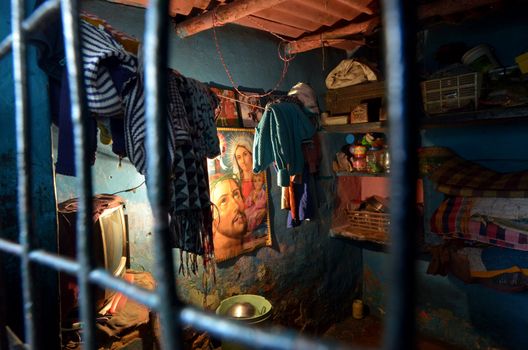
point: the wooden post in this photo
(303, 45)
(331, 37)
(224, 14)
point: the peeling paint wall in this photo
(309, 278)
(43, 194)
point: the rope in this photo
(243, 102)
(286, 59)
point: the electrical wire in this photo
(130, 189)
(285, 58)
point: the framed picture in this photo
(226, 112)
(239, 198)
(251, 108)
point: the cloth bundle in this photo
(459, 217)
(349, 72)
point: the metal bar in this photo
(70, 11)
(254, 337)
(59, 263)
(35, 21)
(99, 277)
(10, 247)
(24, 171)
(103, 279)
(155, 52)
(402, 93)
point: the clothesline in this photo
(239, 101)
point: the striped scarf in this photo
(101, 54)
(191, 137)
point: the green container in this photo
(262, 314)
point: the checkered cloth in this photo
(459, 177)
(452, 219)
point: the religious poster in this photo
(251, 109)
(226, 113)
(239, 197)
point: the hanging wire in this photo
(286, 58)
(130, 189)
(242, 102)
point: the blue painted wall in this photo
(470, 316)
(305, 274)
(42, 190)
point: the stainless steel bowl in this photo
(239, 310)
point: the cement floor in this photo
(368, 331)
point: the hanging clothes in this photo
(108, 72)
(191, 137)
(301, 200)
(192, 227)
(278, 138)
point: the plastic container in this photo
(357, 309)
(480, 58)
(262, 314)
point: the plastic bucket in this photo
(262, 314)
(480, 59)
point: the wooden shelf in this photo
(486, 116)
(347, 173)
(446, 120)
(358, 128)
(346, 231)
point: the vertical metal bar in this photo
(155, 52)
(36, 20)
(402, 93)
(24, 173)
(70, 20)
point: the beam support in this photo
(224, 14)
(331, 37)
(303, 45)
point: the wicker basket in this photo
(368, 221)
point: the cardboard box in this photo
(359, 114)
(383, 114)
(334, 120)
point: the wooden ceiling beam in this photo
(358, 5)
(350, 29)
(301, 9)
(332, 8)
(274, 27)
(285, 17)
(201, 4)
(448, 7)
(224, 14)
(183, 7)
(317, 40)
(303, 46)
(348, 45)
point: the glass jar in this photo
(360, 164)
(373, 158)
(359, 151)
(386, 160)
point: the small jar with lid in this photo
(373, 158)
(385, 160)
